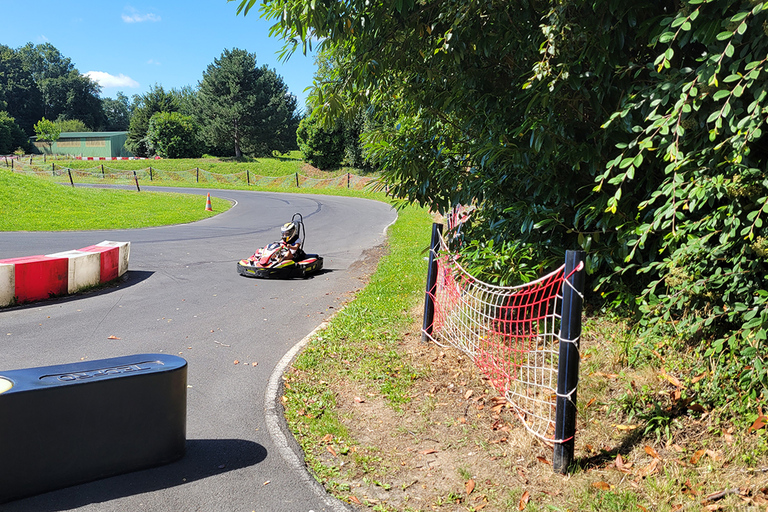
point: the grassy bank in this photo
(31, 204)
(389, 423)
(282, 165)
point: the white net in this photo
(511, 333)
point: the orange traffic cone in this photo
(208, 206)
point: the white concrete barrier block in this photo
(7, 283)
(84, 269)
(125, 252)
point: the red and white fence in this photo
(38, 277)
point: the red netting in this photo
(511, 333)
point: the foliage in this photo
(245, 109)
(47, 131)
(186, 97)
(633, 131)
(71, 125)
(504, 264)
(19, 94)
(320, 146)
(146, 105)
(11, 135)
(173, 135)
(117, 113)
(66, 93)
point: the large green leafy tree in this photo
(246, 109)
(631, 130)
(19, 93)
(145, 106)
(66, 93)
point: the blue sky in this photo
(130, 46)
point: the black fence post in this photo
(349, 180)
(136, 179)
(197, 175)
(568, 361)
(53, 169)
(102, 171)
(297, 180)
(69, 171)
(150, 173)
(429, 299)
(248, 176)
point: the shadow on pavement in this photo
(130, 278)
(204, 458)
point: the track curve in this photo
(182, 295)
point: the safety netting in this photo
(511, 333)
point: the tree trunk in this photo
(238, 152)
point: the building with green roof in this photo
(86, 144)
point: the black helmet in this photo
(289, 232)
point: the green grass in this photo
(367, 331)
(282, 165)
(32, 204)
(264, 174)
(41, 203)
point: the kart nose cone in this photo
(5, 385)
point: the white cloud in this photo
(107, 80)
(136, 17)
(153, 61)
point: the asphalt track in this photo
(182, 295)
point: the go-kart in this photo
(271, 260)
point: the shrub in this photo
(173, 135)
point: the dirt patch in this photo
(455, 445)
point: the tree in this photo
(173, 135)
(633, 131)
(245, 108)
(186, 97)
(66, 93)
(47, 131)
(321, 147)
(71, 125)
(146, 105)
(12, 136)
(117, 113)
(19, 94)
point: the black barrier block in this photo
(68, 424)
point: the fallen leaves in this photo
(759, 423)
(113, 337)
(603, 486)
(622, 466)
(716, 456)
(524, 499)
(469, 486)
(650, 451)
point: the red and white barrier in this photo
(39, 277)
(7, 283)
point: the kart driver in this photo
(289, 234)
